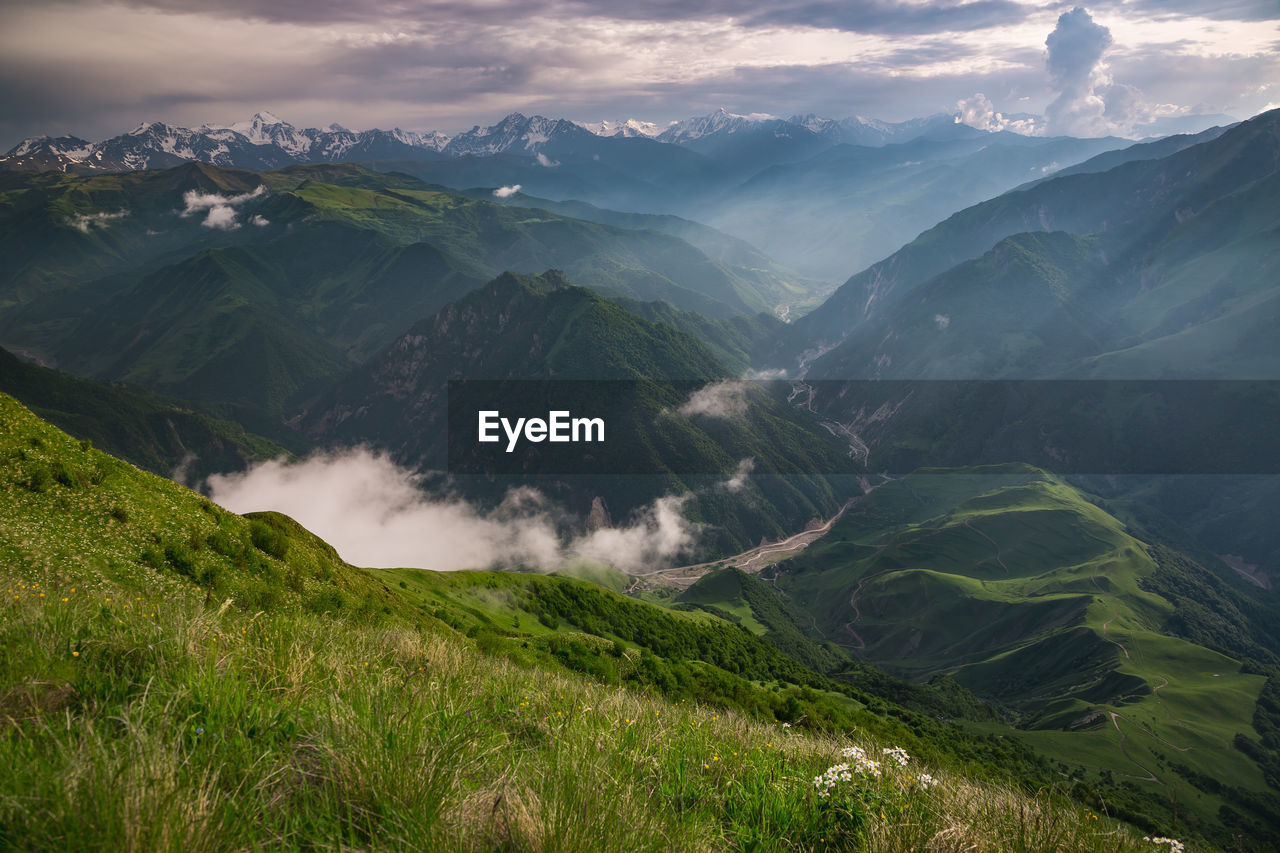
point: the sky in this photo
(96, 69)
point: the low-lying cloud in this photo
(507, 192)
(726, 400)
(738, 481)
(375, 514)
(82, 222)
(221, 208)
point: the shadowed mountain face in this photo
(543, 328)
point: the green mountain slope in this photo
(154, 433)
(520, 328)
(1015, 585)
(176, 675)
(258, 289)
(738, 343)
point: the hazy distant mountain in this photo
(1196, 123)
(850, 205)
(747, 261)
(873, 133)
(1167, 267)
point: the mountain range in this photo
(267, 141)
(1121, 627)
(295, 275)
(1148, 263)
(822, 196)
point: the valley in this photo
(949, 437)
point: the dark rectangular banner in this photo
(850, 427)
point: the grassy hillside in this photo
(179, 677)
(1025, 592)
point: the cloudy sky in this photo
(96, 69)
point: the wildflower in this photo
(926, 781)
(833, 774)
(898, 754)
(75, 654)
(1175, 846)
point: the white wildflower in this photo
(898, 754)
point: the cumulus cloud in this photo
(1087, 100)
(375, 514)
(506, 192)
(544, 160)
(82, 222)
(259, 220)
(979, 112)
(942, 321)
(220, 209)
(726, 399)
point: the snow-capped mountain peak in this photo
(629, 128)
(720, 121)
(515, 134)
(266, 128)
